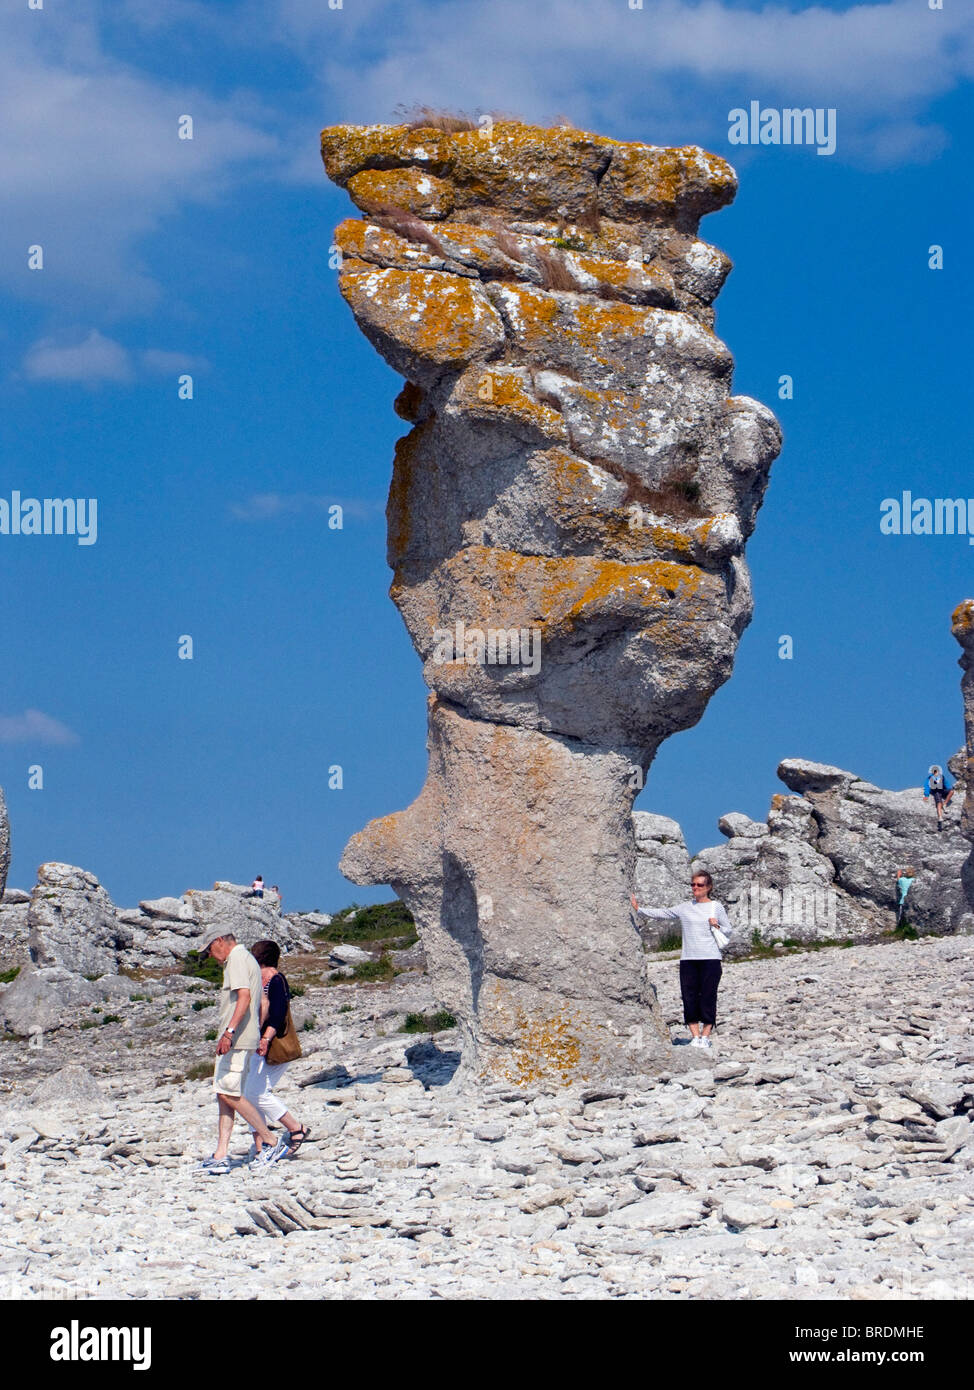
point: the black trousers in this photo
(698, 985)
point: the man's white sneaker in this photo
(270, 1155)
(696, 1042)
(705, 1042)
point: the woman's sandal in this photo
(296, 1137)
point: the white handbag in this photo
(720, 937)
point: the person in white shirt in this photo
(700, 967)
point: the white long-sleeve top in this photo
(694, 919)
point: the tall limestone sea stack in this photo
(567, 521)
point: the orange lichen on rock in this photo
(412, 189)
(500, 395)
(489, 587)
(431, 319)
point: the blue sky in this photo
(211, 256)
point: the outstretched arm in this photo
(653, 911)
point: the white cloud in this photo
(91, 164)
(92, 168)
(96, 359)
(33, 726)
(671, 70)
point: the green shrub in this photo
(428, 1023)
(111, 1018)
(7, 975)
(297, 991)
(345, 1009)
(210, 969)
(905, 932)
(670, 941)
(210, 1035)
(380, 922)
(309, 1024)
(89, 1022)
(375, 970)
(201, 1004)
(137, 998)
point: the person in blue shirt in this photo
(938, 786)
(904, 882)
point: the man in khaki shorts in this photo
(239, 1027)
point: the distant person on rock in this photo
(275, 889)
(239, 1027)
(904, 882)
(264, 1075)
(938, 787)
(257, 887)
(700, 967)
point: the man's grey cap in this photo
(217, 936)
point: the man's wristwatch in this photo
(230, 1032)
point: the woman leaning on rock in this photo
(705, 929)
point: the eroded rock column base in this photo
(527, 929)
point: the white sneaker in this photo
(270, 1155)
(696, 1042)
(705, 1042)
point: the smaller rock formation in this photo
(13, 927)
(962, 626)
(163, 930)
(823, 866)
(72, 922)
(662, 870)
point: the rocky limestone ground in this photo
(823, 1151)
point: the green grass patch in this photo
(670, 941)
(345, 1009)
(380, 922)
(138, 998)
(89, 1022)
(904, 932)
(210, 1035)
(309, 1025)
(111, 1018)
(297, 991)
(428, 1023)
(199, 1070)
(373, 971)
(200, 1004)
(7, 975)
(210, 969)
